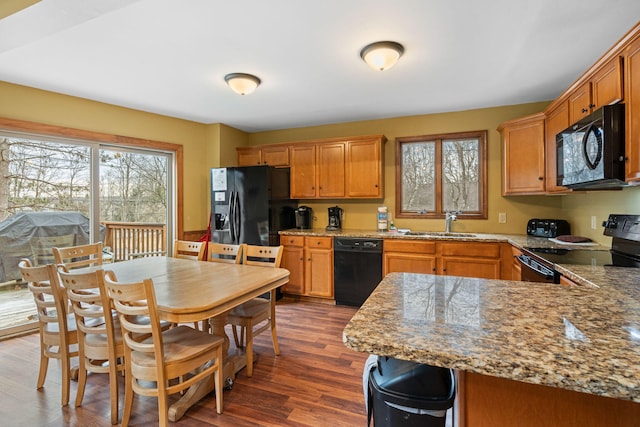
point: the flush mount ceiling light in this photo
(241, 83)
(382, 55)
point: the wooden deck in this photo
(16, 305)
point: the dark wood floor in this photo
(316, 381)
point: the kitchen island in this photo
(526, 354)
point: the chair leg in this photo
(128, 397)
(113, 389)
(163, 407)
(272, 322)
(42, 373)
(235, 336)
(66, 380)
(218, 380)
(82, 380)
(249, 348)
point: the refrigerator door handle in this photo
(232, 216)
(237, 218)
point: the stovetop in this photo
(625, 246)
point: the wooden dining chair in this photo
(159, 363)
(188, 250)
(259, 314)
(73, 257)
(227, 253)
(98, 339)
(57, 328)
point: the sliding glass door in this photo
(75, 192)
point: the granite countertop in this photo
(518, 240)
(577, 338)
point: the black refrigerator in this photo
(250, 205)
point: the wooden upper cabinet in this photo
(557, 120)
(604, 87)
(275, 155)
(364, 168)
(523, 160)
(337, 168)
(330, 170)
(632, 111)
(303, 172)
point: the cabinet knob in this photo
(540, 178)
(584, 110)
(592, 105)
(433, 269)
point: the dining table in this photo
(189, 291)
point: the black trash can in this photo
(407, 394)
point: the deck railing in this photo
(128, 240)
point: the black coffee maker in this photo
(335, 219)
(304, 217)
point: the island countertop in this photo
(585, 339)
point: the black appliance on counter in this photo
(590, 153)
(304, 218)
(251, 204)
(537, 264)
(357, 269)
(548, 227)
(335, 219)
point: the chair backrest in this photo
(221, 252)
(266, 256)
(137, 311)
(88, 303)
(42, 247)
(43, 283)
(188, 250)
(78, 256)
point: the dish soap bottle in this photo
(392, 226)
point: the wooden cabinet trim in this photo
(470, 249)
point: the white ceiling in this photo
(170, 57)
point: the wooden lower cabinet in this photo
(412, 256)
(310, 263)
(466, 259)
(484, 401)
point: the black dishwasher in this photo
(357, 269)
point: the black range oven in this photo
(538, 264)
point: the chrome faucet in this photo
(450, 216)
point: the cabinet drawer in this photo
(470, 249)
(292, 240)
(319, 242)
(413, 246)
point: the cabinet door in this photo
(248, 156)
(319, 272)
(485, 268)
(275, 156)
(632, 114)
(330, 170)
(303, 172)
(580, 102)
(293, 260)
(606, 84)
(557, 120)
(523, 156)
(364, 169)
(403, 262)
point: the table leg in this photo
(232, 362)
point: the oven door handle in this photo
(534, 265)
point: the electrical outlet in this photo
(593, 222)
(502, 217)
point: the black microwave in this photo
(590, 153)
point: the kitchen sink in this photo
(438, 234)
